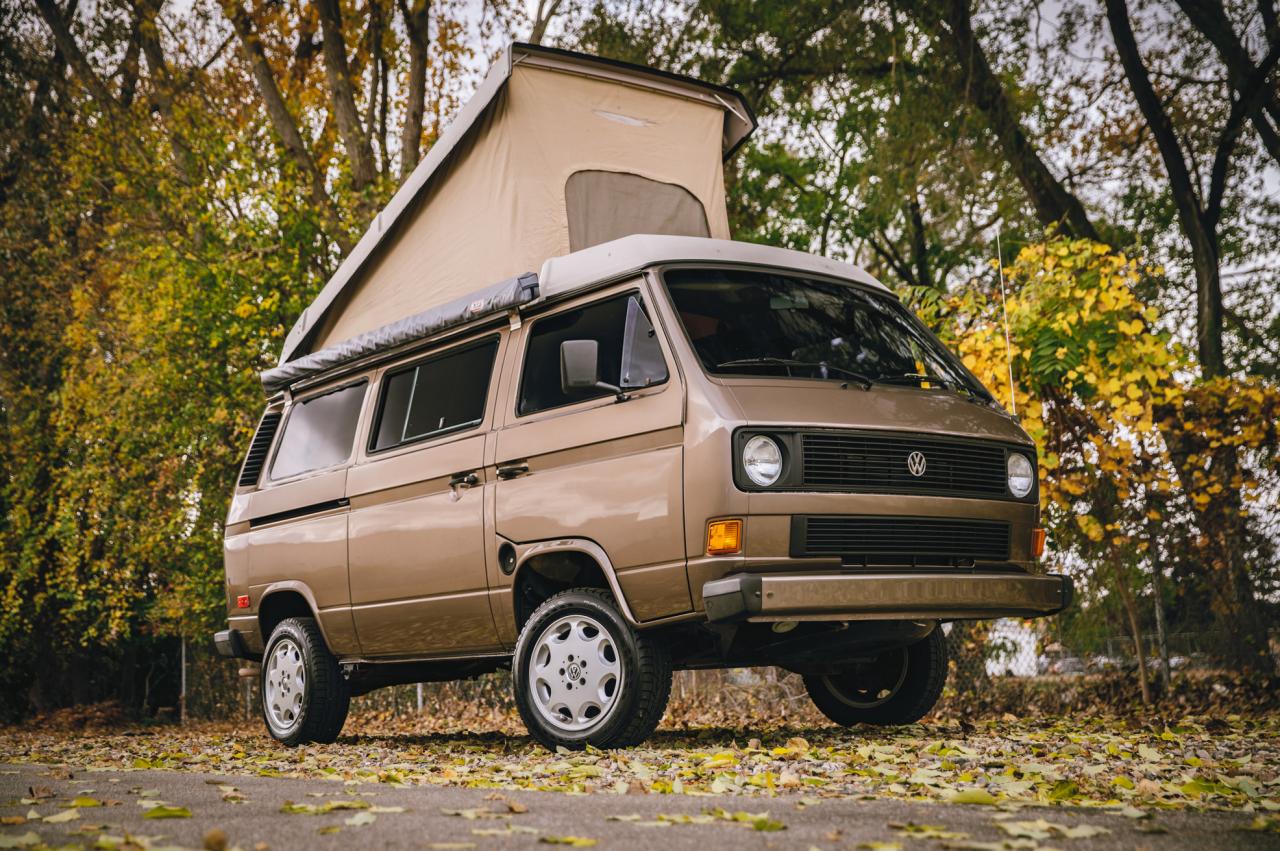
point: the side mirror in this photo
(580, 366)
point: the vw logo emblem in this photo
(916, 464)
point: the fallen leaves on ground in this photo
(1041, 829)
(1130, 768)
(573, 841)
(163, 811)
(927, 831)
(290, 808)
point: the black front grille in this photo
(258, 450)
(907, 541)
(875, 463)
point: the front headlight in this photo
(1022, 476)
(762, 460)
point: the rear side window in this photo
(629, 355)
(444, 394)
(319, 432)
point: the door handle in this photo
(511, 471)
(464, 480)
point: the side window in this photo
(444, 394)
(628, 353)
(319, 432)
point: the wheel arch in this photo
(547, 567)
(287, 600)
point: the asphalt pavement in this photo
(246, 812)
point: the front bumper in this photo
(884, 596)
(230, 643)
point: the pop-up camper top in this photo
(664, 450)
(555, 152)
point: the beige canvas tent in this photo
(556, 152)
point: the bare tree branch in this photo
(1210, 18)
(541, 18)
(1053, 203)
(282, 120)
(1252, 94)
(66, 43)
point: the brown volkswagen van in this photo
(659, 453)
(663, 450)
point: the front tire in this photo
(899, 686)
(304, 695)
(583, 676)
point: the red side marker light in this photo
(242, 602)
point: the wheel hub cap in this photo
(575, 673)
(285, 685)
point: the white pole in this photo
(419, 698)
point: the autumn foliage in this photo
(178, 180)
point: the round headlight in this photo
(1022, 476)
(762, 460)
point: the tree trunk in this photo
(184, 159)
(416, 24)
(1232, 602)
(919, 241)
(342, 95)
(978, 83)
(1203, 240)
(967, 647)
(1131, 614)
(1157, 592)
(1235, 605)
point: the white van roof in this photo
(573, 273)
(612, 260)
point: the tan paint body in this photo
(407, 567)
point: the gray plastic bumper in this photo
(884, 596)
(231, 644)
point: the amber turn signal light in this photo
(1037, 543)
(724, 537)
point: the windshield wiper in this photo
(917, 378)
(945, 383)
(863, 381)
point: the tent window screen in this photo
(441, 395)
(319, 432)
(605, 205)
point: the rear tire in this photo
(897, 687)
(583, 676)
(304, 695)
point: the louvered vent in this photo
(258, 450)
(877, 463)
(904, 541)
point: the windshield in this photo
(757, 323)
